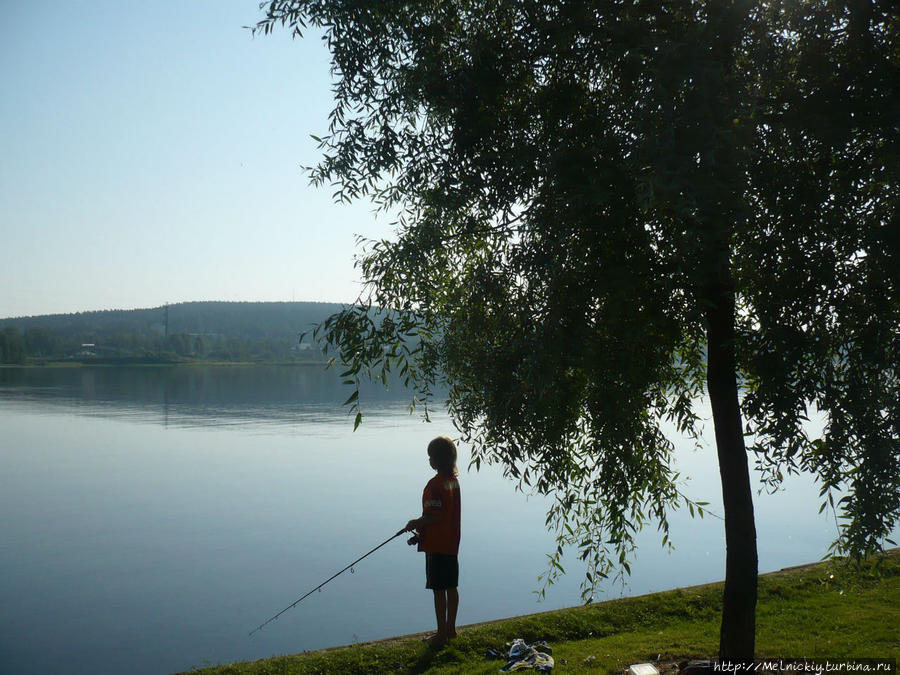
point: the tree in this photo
(606, 208)
(12, 346)
(40, 341)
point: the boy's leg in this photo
(440, 613)
(452, 606)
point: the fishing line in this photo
(337, 574)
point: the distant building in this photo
(88, 349)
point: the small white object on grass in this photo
(642, 669)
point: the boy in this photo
(439, 531)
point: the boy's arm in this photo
(432, 509)
(427, 518)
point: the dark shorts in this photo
(441, 571)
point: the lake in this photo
(152, 517)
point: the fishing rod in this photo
(337, 574)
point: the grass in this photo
(828, 610)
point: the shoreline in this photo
(828, 609)
(889, 553)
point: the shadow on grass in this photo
(433, 656)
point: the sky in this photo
(152, 153)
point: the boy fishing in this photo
(438, 532)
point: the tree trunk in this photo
(738, 631)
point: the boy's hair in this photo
(443, 452)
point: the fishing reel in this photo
(413, 540)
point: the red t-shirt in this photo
(441, 496)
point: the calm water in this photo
(152, 517)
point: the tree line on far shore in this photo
(213, 331)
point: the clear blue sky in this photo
(151, 152)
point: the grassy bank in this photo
(829, 610)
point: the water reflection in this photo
(198, 396)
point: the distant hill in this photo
(239, 319)
(207, 330)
